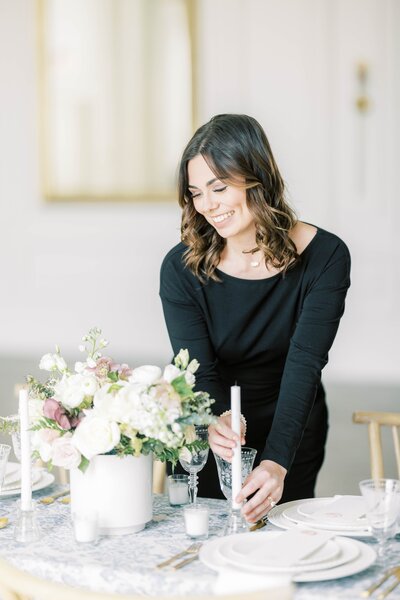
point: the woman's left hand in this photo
(266, 482)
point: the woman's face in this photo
(224, 206)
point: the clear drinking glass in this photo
(178, 489)
(224, 469)
(197, 461)
(235, 523)
(382, 500)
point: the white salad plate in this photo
(12, 479)
(45, 479)
(278, 516)
(318, 510)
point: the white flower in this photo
(61, 365)
(91, 362)
(185, 455)
(193, 366)
(82, 348)
(80, 367)
(71, 390)
(48, 362)
(182, 359)
(190, 378)
(95, 435)
(171, 372)
(65, 454)
(43, 440)
(147, 374)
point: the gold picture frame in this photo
(117, 97)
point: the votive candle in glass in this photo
(196, 521)
(178, 489)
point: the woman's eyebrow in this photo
(207, 184)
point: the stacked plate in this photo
(276, 553)
(341, 515)
(12, 480)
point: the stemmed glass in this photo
(197, 461)
(4, 454)
(382, 499)
(235, 522)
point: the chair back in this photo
(376, 420)
(19, 585)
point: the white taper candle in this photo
(26, 464)
(237, 454)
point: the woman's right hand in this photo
(222, 439)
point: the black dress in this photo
(272, 337)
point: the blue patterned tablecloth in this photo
(126, 564)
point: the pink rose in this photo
(65, 454)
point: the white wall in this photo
(290, 64)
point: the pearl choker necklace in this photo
(254, 263)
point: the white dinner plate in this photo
(276, 517)
(12, 479)
(45, 480)
(293, 514)
(310, 510)
(210, 556)
(346, 551)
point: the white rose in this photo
(65, 454)
(43, 441)
(48, 362)
(70, 391)
(89, 384)
(95, 435)
(190, 378)
(171, 372)
(147, 374)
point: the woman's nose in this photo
(209, 203)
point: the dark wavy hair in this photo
(237, 150)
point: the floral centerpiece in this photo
(105, 409)
(108, 408)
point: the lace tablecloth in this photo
(126, 564)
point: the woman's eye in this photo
(194, 196)
(221, 189)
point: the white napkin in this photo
(342, 508)
(233, 581)
(287, 548)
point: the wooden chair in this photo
(18, 585)
(159, 475)
(375, 420)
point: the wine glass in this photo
(382, 499)
(197, 461)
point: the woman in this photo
(256, 296)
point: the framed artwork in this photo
(116, 96)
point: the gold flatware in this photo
(3, 522)
(193, 548)
(393, 572)
(259, 525)
(183, 563)
(51, 499)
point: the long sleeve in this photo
(187, 329)
(310, 343)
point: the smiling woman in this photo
(256, 296)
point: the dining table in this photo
(128, 564)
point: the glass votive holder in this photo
(86, 527)
(178, 489)
(196, 521)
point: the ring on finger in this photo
(272, 503)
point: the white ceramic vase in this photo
(118, 489)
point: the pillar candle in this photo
(26, 464)
(237, 453)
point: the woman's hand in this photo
(222, 439)
(266, 483)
